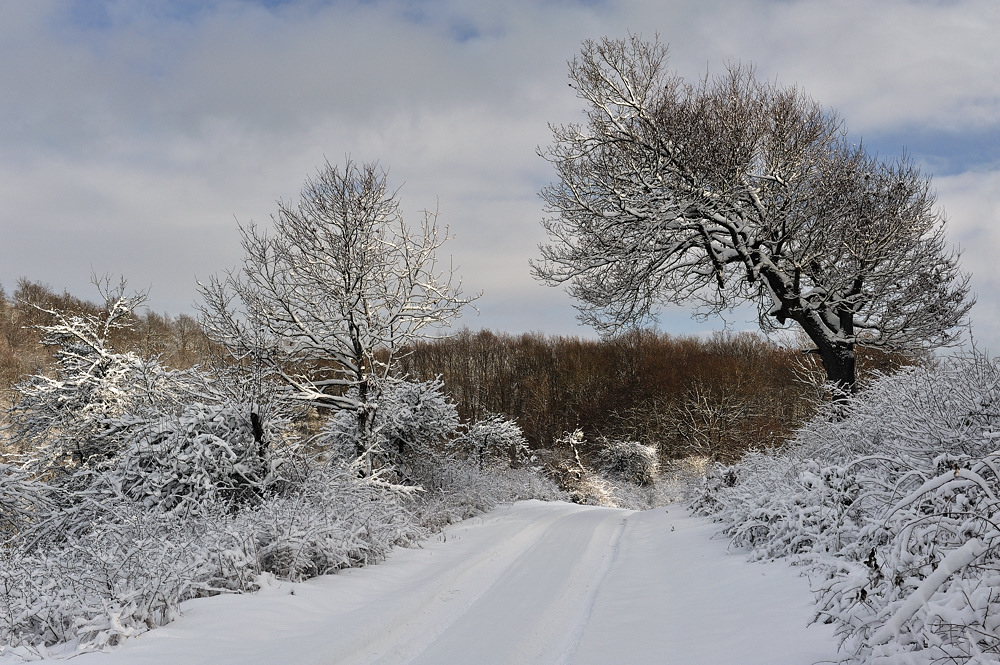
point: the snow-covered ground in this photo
(535, 582)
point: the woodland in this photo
(709, 397)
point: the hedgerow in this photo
(892, 501)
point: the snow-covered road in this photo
(545, 583)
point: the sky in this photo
(136, 134)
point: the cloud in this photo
(884, 65)
(972, 203)
(135, 133)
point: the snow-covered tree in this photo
(735, 190)
(629, 460)
(74, 419)
(493, 440)
(705, 419)
(333, 294)
(409, 419)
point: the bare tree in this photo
(714, 423)
(332, 296)
(731, 190)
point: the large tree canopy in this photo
(733, 189)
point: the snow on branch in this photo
(732, 189)
(893, 505)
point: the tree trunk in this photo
(837, 356)
(838, 361)
(365, 435)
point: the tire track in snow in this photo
(435, 613)
(573, 640)
(540, 606)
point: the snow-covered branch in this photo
(733, 189)
(329, 297)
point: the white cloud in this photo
(884, 65)
(972, 202)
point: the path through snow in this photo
(533, 583)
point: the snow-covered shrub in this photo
(21, 498)
(409, 420)
(134, 567)
(332, 520)
(629, 460)
(120, 579)
(583, 484)
(112, 567)
(205, 455)
(493, 441)
(894, 505)
(210, 443)
(784, 506)
(418, 417)
(922, 573)
(73, 419)
(131, 570)
(629, 496)
(456, 489)
(609, 486)
(684, 476)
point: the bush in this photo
(206, 455)
(455, 490)
(629, 460)
(493, 441)
(72, 421)
(133, 568)
(409, 420)
(21, 499)
(893, 502)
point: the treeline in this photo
(686, 395)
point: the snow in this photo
(952, 562)
(532, 582)
(889, 499)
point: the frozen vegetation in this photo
(534, 583)
(131, 568)
(130, 488)
(890, 502)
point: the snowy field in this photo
(535, 582)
